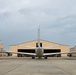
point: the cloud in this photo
(57, 19)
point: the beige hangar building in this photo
(49, 47)
(2, 54)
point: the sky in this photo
(20, 20)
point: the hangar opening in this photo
(33, 51)
(25, 50)
(53, 51)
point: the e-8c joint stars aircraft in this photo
(39, 51)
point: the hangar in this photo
(49, 47)
(2, 54)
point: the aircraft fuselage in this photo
(39, 52)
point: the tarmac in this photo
(28, 66)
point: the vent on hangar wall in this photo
(37, 44)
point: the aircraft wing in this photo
(46, 54)
(24, 53)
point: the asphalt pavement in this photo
(28, 66)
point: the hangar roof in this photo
(40, 40)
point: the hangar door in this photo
(53, 51)
(25, 50)
(45, 51)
